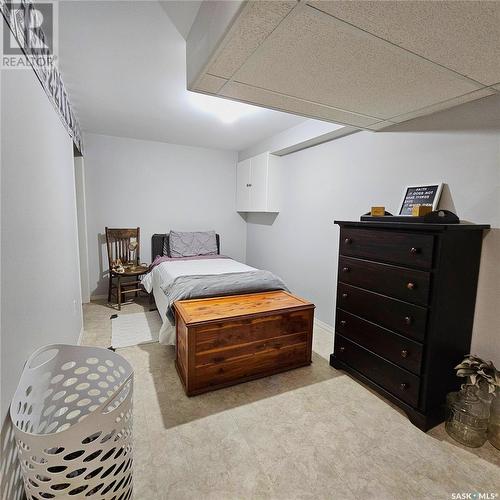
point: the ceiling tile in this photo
(478, 94)
(380, 125)
(246, 93)
(314, 57)
(461, 35)
(209, 83)
(253, 26)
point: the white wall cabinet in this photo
(258, 184)
(243, 181)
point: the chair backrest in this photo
(120, 245)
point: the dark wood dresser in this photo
(405, 307)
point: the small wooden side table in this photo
(133, 271)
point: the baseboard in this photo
(324, 326)
(80, 337)
(98, 297)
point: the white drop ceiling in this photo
(368, 64)
(124, 67)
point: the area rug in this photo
(134, 329)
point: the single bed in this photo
(198, 277)
(230, 322)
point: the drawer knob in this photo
(344, 295)
(346, 269)
(408, 320)
(342, 349)
(410, 286)
(414, 250)
(404, 353)
(348, 241)
(343, 322)
(403, 386)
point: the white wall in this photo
(1, 169)
(40, 285)
(342, 179)
(158, 187)
(81, 213)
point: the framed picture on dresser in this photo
(421, 194)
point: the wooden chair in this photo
(124, 244)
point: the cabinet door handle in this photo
(404, 353)
(408, 320)
(403, 386)
(414, 250)
(411, 286)
(343, 322)
(346, 269)
(348, 241)
(344, 295)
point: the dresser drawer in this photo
(399, 282)
(409, 249)
(408, 319)
(400, 350)
(401, 383)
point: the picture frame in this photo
(420, 194)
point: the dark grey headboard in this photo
(157, 241)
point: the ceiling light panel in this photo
(225, 110)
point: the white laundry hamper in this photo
(72, 416)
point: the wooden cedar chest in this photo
(223, 341)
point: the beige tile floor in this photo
(308, 433)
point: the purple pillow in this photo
(191, 244)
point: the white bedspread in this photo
(166, 272)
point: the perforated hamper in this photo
(72, 416)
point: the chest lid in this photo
(195, 311)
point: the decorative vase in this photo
(468, 416)
(494, 425)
